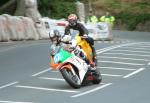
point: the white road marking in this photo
(59, 79)
(7, 85)
(105, 41)
(36, 74)
(114, 68)
(123, 58)
(17, 46)
(46, 89)
(6, 49)
(92, 90)
(148, 63)
(135, 48)
(120, 62)
(114, 47)
(132, 51)
(128, 54)
(145, 46)
(145, 43)
(135, 72)
(55, 71)
(103, 83)
(111, 75)
(13, 102)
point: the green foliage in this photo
(56, 8)
(3, 2)
(128, 13)
(131, 19)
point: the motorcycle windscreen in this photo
(61, 56)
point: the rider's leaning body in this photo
(82, 30)
(57, 43)
(73, 24)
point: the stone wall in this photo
(143, 26)
(21, 28)
(140, 27)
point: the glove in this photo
(66, 38)
(73, 43)
(85, 36)
(52, 50)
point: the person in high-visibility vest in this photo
(92, 19)
(107, 18)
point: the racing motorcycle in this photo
(74, 70)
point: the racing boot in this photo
(94, 55)
(91, 66)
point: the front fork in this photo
(68, 66)
(72, 70)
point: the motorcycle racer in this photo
(55, 38)
(60, 45)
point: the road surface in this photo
(25, 76)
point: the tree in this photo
(23, 8)
(28, 8)
(7, 6)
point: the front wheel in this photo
(71, 79)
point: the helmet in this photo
(54, 35)
(72, 19)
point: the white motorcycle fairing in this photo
(79, 64)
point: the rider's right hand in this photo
(66, 38)
(84, 36)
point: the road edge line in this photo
(92, 90)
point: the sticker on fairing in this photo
(57, 58)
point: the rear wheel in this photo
(71, 79)
(97, 77)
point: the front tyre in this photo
(71, 79)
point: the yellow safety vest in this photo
(109, 19)
(92, 19)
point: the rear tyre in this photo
(71, 79)
(97, 77)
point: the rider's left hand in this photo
(84, 36)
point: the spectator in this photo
(108, 18)
(92, 19)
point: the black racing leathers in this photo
(82, 30)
